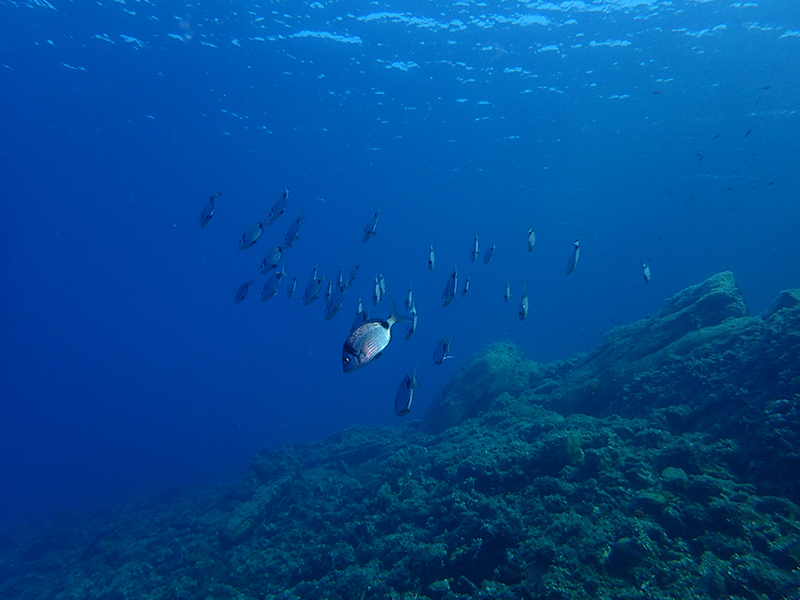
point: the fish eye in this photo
(346, 359)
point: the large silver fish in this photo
(251, 236)
(292, 287)
(573, 260)
(507, 295)
(450, 288)
(531, 239)
(466, 288)
(372, 224)
(278, 208)
(272, 259)
(405, 394)
(369, 340)
(272, 285)
(241, 293)
(646, 272)
(523, 307)
(208, 210)
(291, 234)
(431, 258)
(440, 354)
(487, 258)
(409, 298)
(474, 253)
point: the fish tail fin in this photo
(394, 316)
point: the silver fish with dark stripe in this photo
(368, 341)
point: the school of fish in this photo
(368, 337)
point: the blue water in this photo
(653, 130)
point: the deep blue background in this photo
(126, 365)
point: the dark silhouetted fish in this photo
(272, 285)
(291, 234)
(372, 224)
(278, 208)
(523, 306)
(272, 259)
(405, 394)
(450, 288)
(440, 354)
(251, 236)
(241, 293)
(208, 209)
(573, 260)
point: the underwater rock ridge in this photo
(700, 364)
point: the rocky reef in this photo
(663, 464)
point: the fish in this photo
(272, 259)
(369, 229)
(409, 298)
(208, 209)
(573, 260)
(329, 291)
(466, 288)
(272, 285)
(351, 275)
(450, 288)
(340, 280)
(531, 239)
(251, 236)
(369, 340)
(292, 287)
(405, 394)
(279, 207)
(646, 272)
(487, 258)
(382, 283)
(413, 326)
(377, 291)
(241, 293)
(313, 288)
(507, 295)
(362, 316)
(440, 354)
(474, 253)
(523, 306)
(431, 258)
(291, 234)
(334, 303)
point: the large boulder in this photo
(496, 369)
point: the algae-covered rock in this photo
(497, 368)
(786, 299)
